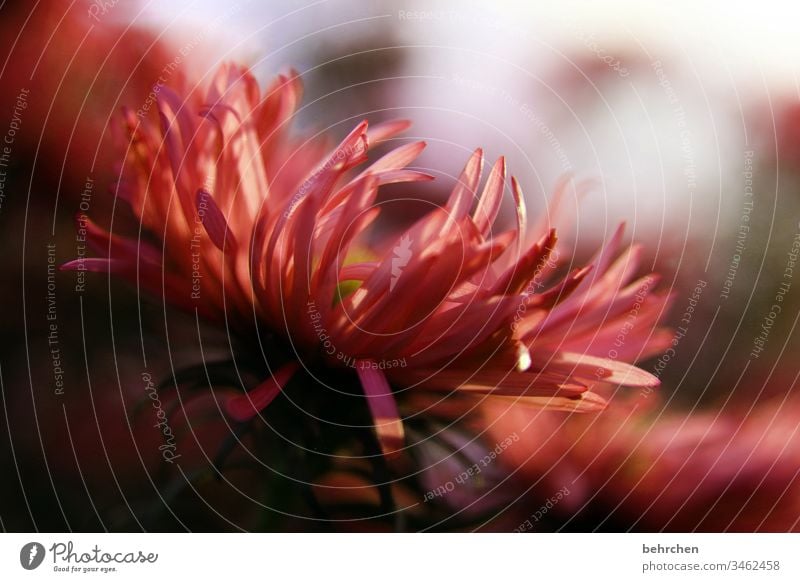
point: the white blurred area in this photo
(557, 87)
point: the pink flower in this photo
(261, 228)
(734, 470)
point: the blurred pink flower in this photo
(704, 471)
(781, 133)
(75, 72)
(261, 228)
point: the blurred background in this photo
(687, 120)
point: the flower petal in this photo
(383, 407)
(214, 222)
(460, 200)
(243, 408)
(387, 130)
(603, 369)
(489, 204)
(586, 402)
